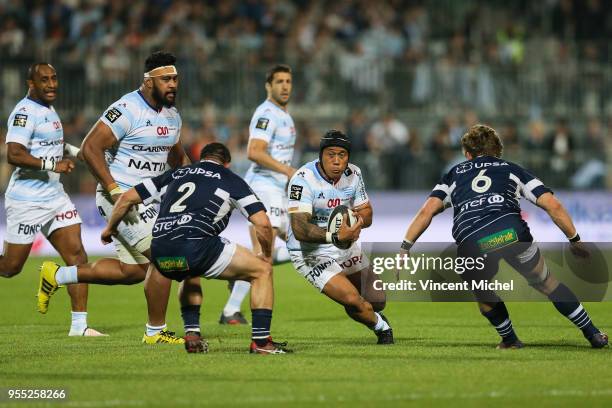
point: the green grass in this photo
(444, 354)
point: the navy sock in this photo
(191, 317)
(500, 319)
(568, 305)
(262, 320)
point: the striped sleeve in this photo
(244, 199)
(444, 189)
(154, 188)
(529, 186)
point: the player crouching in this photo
(196, 204)
(341, 274)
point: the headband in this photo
(161, 71)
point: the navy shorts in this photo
(184, 258)
(508, 239)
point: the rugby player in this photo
(314, 191)
(271, 141)
(135, 139)
(485, 193)
(35, 200)
(195, 209)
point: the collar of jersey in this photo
(38, 102)
(276, 106)
(323, 176)
(148, 104)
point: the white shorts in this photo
(131, 240)
(275, 201)
(225, 258)
(24, 219)
(319, 269)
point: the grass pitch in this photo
(444, 354)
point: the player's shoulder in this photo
(266, 109)
(27, 106)
(307, 173)
(352, 170)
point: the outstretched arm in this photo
(422, 219)
(122, 206)
(557, 212)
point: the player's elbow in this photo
(12, 158)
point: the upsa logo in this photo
(162, 130)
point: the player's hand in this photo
(132, 217)
(114, 197)
(64, 166)
(346, 233)
(578, 249)
(107, 235)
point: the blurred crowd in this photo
(404, 78)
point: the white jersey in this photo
(273, 125)
(39, 129)
(144, 135)
(312, 193)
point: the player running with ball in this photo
(484, 192)
(341, 274)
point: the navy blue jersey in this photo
(197, 200)
(484, 191)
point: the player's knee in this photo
(10, 268)
(264, 271)
(354, 303)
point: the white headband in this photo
(161, 71)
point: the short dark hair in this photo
(275, 69)
(482, 140)
(159, 59)
(216, 151)
(32, 69)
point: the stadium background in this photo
(404, 79)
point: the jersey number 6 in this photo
(481, 183)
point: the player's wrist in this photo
(407, 244)
(113, 189)
(575, 238)
(47, 164)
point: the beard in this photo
(161, 98)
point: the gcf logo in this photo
(162, 130)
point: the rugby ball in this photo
(335, 221)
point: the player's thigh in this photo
(244, 266)
(526, 259)
(67, 242)
(341, 290)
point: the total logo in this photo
(492, 199)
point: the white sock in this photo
(380, 323)
(239, 292)
(79, 322)
(153, 330)
(281, 255)
(66, 275)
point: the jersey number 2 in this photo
(481, 183)
(189, 189)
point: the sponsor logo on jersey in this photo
(321, 195)
(492, 199)
(348, 172)
(180, 173)
(112, 115)
(262, 123)
(172, 263)
(57, 142)
(145, 165)
(185, 219)
(467, 166)
(296, 192)
(20, 120)
(498, 240)
(151, 149)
